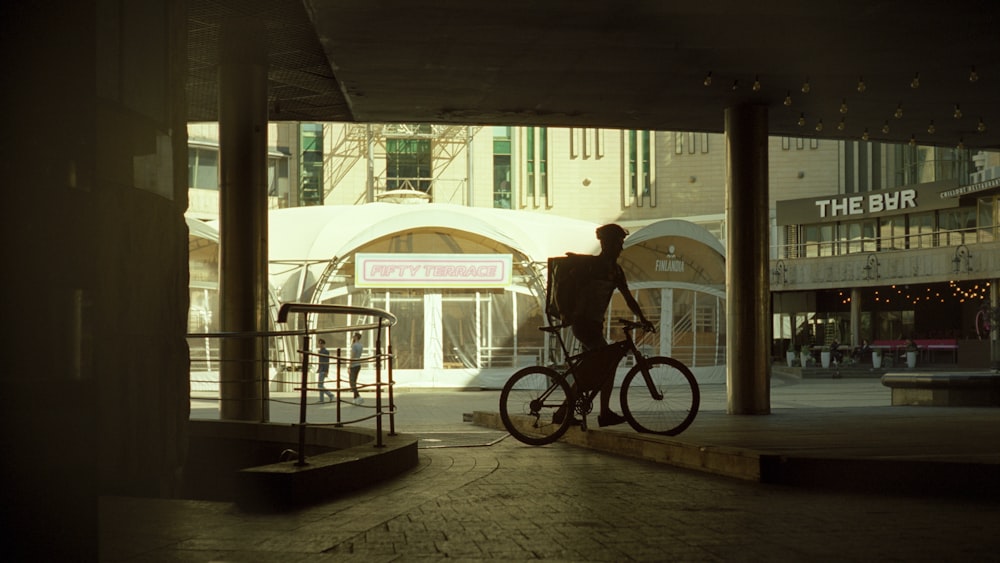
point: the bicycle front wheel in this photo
(529, 402)
(660, 396)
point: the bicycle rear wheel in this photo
(667, 403)
(528, 405)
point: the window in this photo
(638, 162)
(536, 161)
(987, 219)
(819, 240)
(311, 187)
(501, 168)
(957, 226)
(408, 164)
(921, 230)
(892, 233)
(203, 168)
(860, 236)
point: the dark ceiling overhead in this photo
(625, 64)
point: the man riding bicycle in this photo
(599, 278)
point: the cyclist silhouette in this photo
(600, 277)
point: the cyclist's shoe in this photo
(609, 419)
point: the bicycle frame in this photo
(588, 392)
(659, 395)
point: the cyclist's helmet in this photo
(611, 231)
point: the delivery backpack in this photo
(567, 276)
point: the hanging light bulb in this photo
(981, 127)
(736, 85)
(805, 86)
(802, 119)
(961, 143)
(899, 111)
(958, 112)
(864, 136)
(885, 127)
(913, 140)
(843, 106)
(915, 83)
(973, 75)
(861, 84)
(708, 79)
(756, 83)
(788, 99)
(841, 125)
(930, 128)
(819, 126)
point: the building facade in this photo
(858, 229)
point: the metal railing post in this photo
(339, 352)
(392, 400)
(303, 399)
(378, 385)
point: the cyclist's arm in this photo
(629, 299)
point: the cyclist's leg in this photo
(591, 336)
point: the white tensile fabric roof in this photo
(325, 232)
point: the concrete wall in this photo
(94, 386)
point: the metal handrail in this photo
(385, 320)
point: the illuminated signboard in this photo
(433, 270)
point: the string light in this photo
(981, 127)
(861, 84)
(973, 75)
(915, 83)
(841, 125)
(756, 83)
(802, 119)
(899, 111)
(843, 106)
(788, 99)
(958, 112)
(961, 143)
(885, 127)
(708, 79)
(913, 140)
(864, 136)
(805, 86)
(736, 85)
(819, 126)
(930, 128)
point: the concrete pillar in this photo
(748, 320)
(243, 217)
(994, 330)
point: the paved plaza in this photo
(476, 495)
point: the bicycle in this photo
(659, 394)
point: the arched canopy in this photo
(326, 232)
(674, 252)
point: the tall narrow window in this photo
(543, 161)
(311, 186)
(408, 164)
(638, 162)
(529, 161)
(633, 162)
(537, 161)
(501, 168)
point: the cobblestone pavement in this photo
(514, 502)
(469, 501)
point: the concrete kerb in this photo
(720, 460)
(229, 460)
